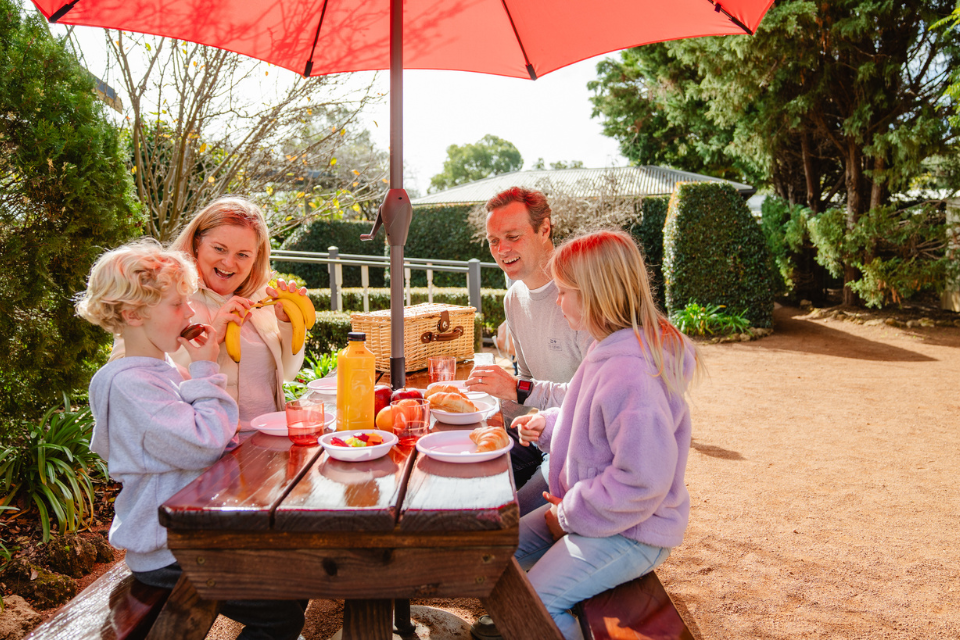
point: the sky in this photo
(548, 118)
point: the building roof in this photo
(629, 181)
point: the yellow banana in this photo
(299, 328)
(302, 302)
(232, 340)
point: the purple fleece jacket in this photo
(618, 447)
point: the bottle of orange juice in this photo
(355, 378)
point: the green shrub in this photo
(647, 230)
(491, 301)
(66, 196)
(899, 253)
(715, 253)
(52, 468)
(318, 237)
(330, 331)
(697, 320)
(444, 232)
(315, 367)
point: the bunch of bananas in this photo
(300, 311)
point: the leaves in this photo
(489, 156)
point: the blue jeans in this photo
(263, 619)
(530, 495)
(575, 567)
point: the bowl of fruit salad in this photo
(358, 445)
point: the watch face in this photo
(524, 385)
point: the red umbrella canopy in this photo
(515, 38)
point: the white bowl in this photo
(456, 446)
(323, 384)
(358, 454)
(275, 424)
(484, 410)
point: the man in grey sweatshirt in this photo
(519, 231)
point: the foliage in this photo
(204, 121)
(445, 233)
(316, 367)
(64, 198)
(559, 164)
(487, 157)
(699, 320)
(330, 331)
(899, 253)
(647, 230)
(286, 277)
(319, 236)
(953, 90)
(51, 467)
(715, 253)
(785, 228)
(833, 104)
(491, 301)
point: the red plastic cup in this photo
(442, 368)
(411, 420)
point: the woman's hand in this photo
(203, 347)
(552, 516)
(529, 427)
(229, 313)
(284, 286)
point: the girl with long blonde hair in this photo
(618, 445)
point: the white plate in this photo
(358, 454)
(485, 409)
(323, 384)
(456, 446)
(275, 424)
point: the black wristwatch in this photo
(524, 387)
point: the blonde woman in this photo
(230, 245)
(619, 442)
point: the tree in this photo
(559, 164)
(837, 103)
(65, 197)
(204, 122)
(487, 157)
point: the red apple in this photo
(381, 397)
(403, 394)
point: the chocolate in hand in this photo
(192, 331)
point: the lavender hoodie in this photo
(618, 447)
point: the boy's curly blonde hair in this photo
(134, 276)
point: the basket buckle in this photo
(444, 333)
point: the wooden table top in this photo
(269, 484)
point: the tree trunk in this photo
(813, 182)
(854, 171)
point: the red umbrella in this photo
(516, 38)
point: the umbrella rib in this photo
(533, 74)
(62, 11)
(719, 9)
(316, 37)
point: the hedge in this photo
(437, 232)
(715, 253)
(491, 301)
(648, 232)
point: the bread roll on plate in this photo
(451, 403)
(490, 438)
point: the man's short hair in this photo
(537, 206)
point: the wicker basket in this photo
(424, 333)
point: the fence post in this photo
(339, 271)
(365, 283)
(473, 283)
(333, 254)
(406, 273)
(429, 283)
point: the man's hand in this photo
(529, 427)
(552, 517)
(494, 380)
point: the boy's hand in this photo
(529, 427)
(203, 347)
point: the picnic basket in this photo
(429, 329)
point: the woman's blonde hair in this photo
(237, 212)
(607, 271)
(133, 277)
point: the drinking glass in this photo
(411, 420)
(305, 419)
(442, 368)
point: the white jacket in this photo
(276, 335)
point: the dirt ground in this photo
(823, 488)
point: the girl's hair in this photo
(134, 276)
(237, 212)
(607, 271)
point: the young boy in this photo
(157, 431)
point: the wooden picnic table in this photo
(271, 520)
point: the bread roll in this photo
(451, 403)
(490, 438)
(442, 388)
